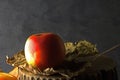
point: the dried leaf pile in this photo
(74, 51)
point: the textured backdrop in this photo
(95, 20)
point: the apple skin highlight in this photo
(44, 50)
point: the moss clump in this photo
(80, 49)
(86, 48)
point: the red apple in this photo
(44, 50)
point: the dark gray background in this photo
(97, 21)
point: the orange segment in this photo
(6, 76)
(14, 72)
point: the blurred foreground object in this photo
(14, 72)
(6, 76)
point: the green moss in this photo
(80, 49)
